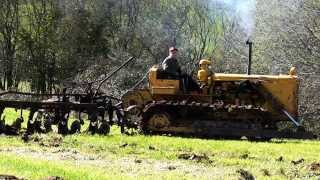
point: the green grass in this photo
(35, 169)
(227, 157)
(119, 156)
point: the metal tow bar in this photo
(291, 118)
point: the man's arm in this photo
(178, 68)
(165, 64)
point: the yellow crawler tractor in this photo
(225, 105)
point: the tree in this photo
(39, 43)
(9, 26)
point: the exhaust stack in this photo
(249, 43)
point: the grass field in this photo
(119, 156)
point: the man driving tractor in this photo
(171, 67)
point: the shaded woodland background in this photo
(49, 44)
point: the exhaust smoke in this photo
(244, 10)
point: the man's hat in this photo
(173, 49)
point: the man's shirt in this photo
(171, 65)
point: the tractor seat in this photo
(162, 74)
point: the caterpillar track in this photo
(212, 120)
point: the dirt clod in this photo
(123, 145)
(246, 175)
(56, 140)
(297, 161)
(265, 172)
(8, 177)
(195, 157)
(26, 137)
(171, 168)
(282, 171)
(53, 178)
(280, 159)
(244, 156)
(184, 156)
(51, 140)
(315, 166)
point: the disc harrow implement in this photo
(46, 110)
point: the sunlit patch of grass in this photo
(12, 114)
(40, 169)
